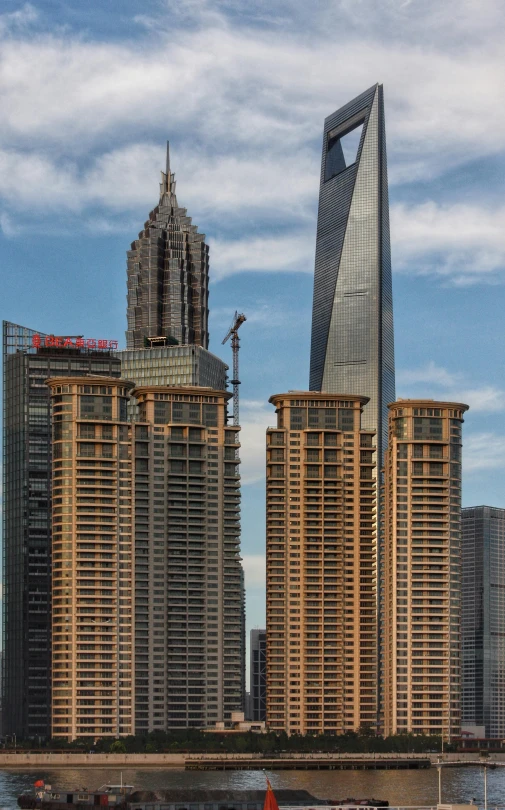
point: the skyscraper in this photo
(189, 656)
(29, 358)
(483, 619)
(352, 321)
(92, 553)
(258, 674)
(168, 277)
(422, 568)
(321, 566)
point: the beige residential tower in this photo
(321, 565)
(422, 579)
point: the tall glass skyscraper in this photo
(352, 322)
(168, 277)
(483, 619)
(29, 358)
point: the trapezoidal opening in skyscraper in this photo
(343, 145)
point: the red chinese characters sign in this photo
(39, 341)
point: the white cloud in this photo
(430, 373)
(8, 226)
(483, 451)
(254, 419)
(20, 19)
(75, 114)
(284, 253)
(254, 570)
(432, 381)
(232, 82)
(460, 241)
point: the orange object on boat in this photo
(270, 800)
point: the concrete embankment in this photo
(291, 761)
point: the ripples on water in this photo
(460, 785)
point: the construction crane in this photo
(237, 322)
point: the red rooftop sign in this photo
(38, 341)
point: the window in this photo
(427, 428)
(95, 407)
(345, 419)
(161, 413)
(400, 428)
(86, 431)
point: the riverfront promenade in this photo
(11, 761)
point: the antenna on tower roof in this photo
(168, 163)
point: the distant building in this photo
(422, 578)
(238, 725)
(93, 558)
(321, 566)
(483, 620)
(173, 365)
(189, 658)
(258, 674)
(168, 277)
(146, 559)
(29, 358)
(352, 349)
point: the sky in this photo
(89, 94)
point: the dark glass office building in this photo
(352, 323)
(27, 516)
(483, 619)
(168, 277)
(258, 674)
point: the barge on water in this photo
(125, 797)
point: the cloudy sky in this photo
(91, 91)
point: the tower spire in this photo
(166, 186)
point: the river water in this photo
(419, 787)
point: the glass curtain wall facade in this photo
(174, 365)
(483, 619)
(189, 592)
(92, 600)
(258, 674)
(168, 277)
(352, 348)
(422, 569)
(321, 566)
(27, 520)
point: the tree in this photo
(117, 747)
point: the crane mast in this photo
(238, 320)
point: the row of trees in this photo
(195, 741)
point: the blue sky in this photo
(91, 91)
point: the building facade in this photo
(321, 566)
(168, 277)
(352, 347)
(483, 619)
(258, 675)
(92, 553)
(27, 363)
(174, 365)
(189, 648)
(422, 561)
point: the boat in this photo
(126, 797)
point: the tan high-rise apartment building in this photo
(147, 579)
(189, 635)
(422, 579)
(321, 565)
(92, 600)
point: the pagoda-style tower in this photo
(168, 277)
